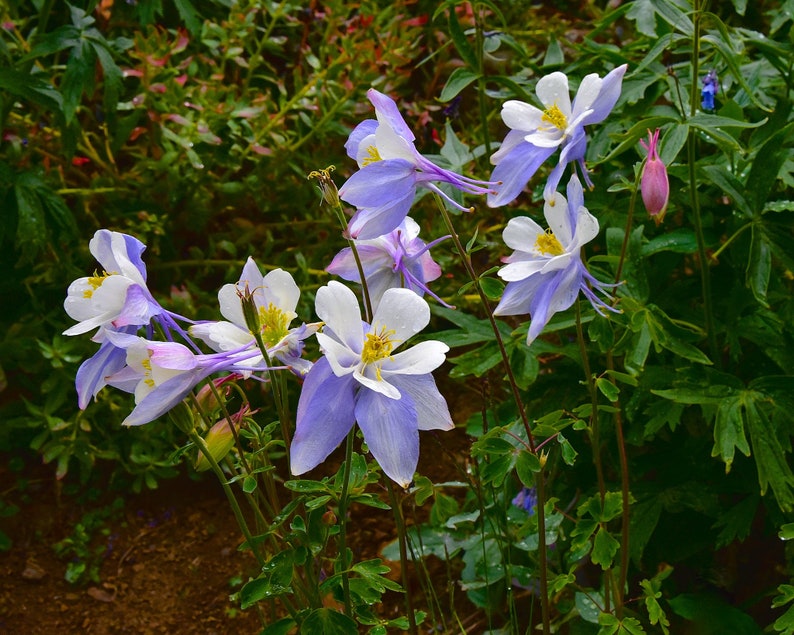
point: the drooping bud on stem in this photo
(654, 186)
(250, 310)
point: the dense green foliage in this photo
(661, 434)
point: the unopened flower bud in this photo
(182, 417)
(219, 440)
(250, 310)
(654, 186)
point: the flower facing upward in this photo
(275, 297)
(654, 186)
(545, 273)
(397, 259)
(360, 378)
(391, 170)
(535, 134)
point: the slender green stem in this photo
(396, 505)
(705, 272)
(541, 489)
(343, 503)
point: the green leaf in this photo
(280, 627)
(459, 79)
(328, 622)
(737, 522)
(604, 548)
(711, 614)
(729, 430)
(31, 88)
(492, 287)
(786, 531)
(78, 78)
(608, 389)
(643, 520)
(770, 458)
(527, 465)
(189, 15)
(274, 580)
(759, 265)
(568, 452)
(460, 40)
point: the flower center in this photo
(555, 117)
(274, 324)
(147, 372)
(374, 156)
(96, 281)
(548, 244)
(378, 346)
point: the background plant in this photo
(678, 406)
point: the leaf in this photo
(736, 523)
(274, 580)
(770, 459)
(729, 430)
(460, 40)
(608, 389)
(77, 79)
(604, 548)
(527, 465)
(31, 88)
(459, 79)
(759, 265)
(643, 520)
(189, 15)
(786, 531)
(328, 622)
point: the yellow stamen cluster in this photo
(548, 244)
(374, 156)
(274, 324)
(378, 346)
(555, 117)
(147, 367)
(95, 282)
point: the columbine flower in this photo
(161, 374)
(275, 297)
(118, 296)
(526, 499)
(397, 259)
(654, 186)
(711, 87)
(545, 273)
(391, 396)
(535, 134)
(391, 170)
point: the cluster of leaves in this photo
(195, 132)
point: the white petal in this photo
(518, 115)
(229, 301)
(280, 289)
(521, 234)
(521, 270)
(549, 137)
(417, 360)
(586, 227)
(337, 306)
(222, 336)
(557, 216)
(378, 385)
(552, 90)
(343, 361)
(587, 93)
(402, 311)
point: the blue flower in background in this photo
(526, 499)
(711, 86)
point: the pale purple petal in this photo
(388, 113)
(162, 398)
(390, 430)
(431, 407)
(93, 372)
(359, 133)
(515, 170)
(325, 415)
(611, 86)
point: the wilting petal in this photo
(390, 430)
(325, 415)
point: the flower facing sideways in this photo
(397, 259)
(118, 296)
(391, 170)
(360, 379)
(275, 297)
(536, 134)
(545, 273)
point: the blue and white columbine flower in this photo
(118, 296)
(536, 134)
(161, 374)
(275, 297)
(545, 273)
(391, 395)
(397, 259)
(391, 170)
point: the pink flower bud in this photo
(654, 186)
